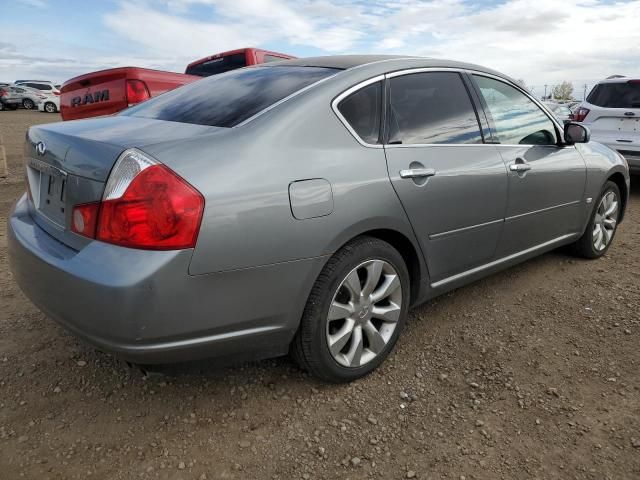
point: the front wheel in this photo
(50, 107)
(602, 226)
(28, 104)
(355, 312)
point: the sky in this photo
(539, 41)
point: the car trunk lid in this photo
(68, 164)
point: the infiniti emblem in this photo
(41, 148)
(364, 311)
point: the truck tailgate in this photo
(109, 91)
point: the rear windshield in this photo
(218, 65)
(229, 99)
(616, 95)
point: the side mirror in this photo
(576, 133)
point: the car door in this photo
(546, 177)
(452, 185)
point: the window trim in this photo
(466, 73)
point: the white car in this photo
(612, 112)
(50, 104)
(45, 86)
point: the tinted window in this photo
(431, 108)
(38, 86)
(616, 95)
(362, 110)
(517, 119)
(229, 99)
(218, 65)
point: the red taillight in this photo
(145, 205)
(634, 81)
(3, 93)
(56, 93)
(136, 92)
(157, 211)
(84, 219)
(581, 114)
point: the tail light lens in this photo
(581, 114)
(137, 92)
(145, 205)
(85, 218)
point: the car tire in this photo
(602, 226)
(50, 107)
(28, 104)
(382, 305)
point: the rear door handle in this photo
(417, 173)
(520, 166)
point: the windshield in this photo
(229, 99)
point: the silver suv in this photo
(612, 112)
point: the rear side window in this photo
(229, 99)
(430, 108)
(38, 86)
(218, 65)
(517, 119)
(616, 95)
(362, 110)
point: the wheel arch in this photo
(407, 248)
(619, 180)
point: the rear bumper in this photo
(145, 307)
(630, 151)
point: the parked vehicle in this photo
(302, 207)
(109, 91)
(50, 104)
(15, 96)
(612, 112)
(45, 86)
(561, 111)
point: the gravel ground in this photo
(530, 373)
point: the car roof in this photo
(384, 62)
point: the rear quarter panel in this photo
(245, 178)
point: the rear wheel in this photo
(28, 104)
(355, 312)
(50, 107)
(602, 226)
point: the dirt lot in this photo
(531, 373)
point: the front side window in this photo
(432, 107)
(362, 110)
(517, 119)
(229, 99)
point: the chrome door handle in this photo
(519, 167)
(417, 173)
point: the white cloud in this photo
(546, 41)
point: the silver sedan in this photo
(300, 206)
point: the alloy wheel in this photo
(605, 221)
(50, 108)
(364, 313)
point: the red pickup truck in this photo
(109, 91)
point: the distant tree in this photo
(563, 91)
(522, 83)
